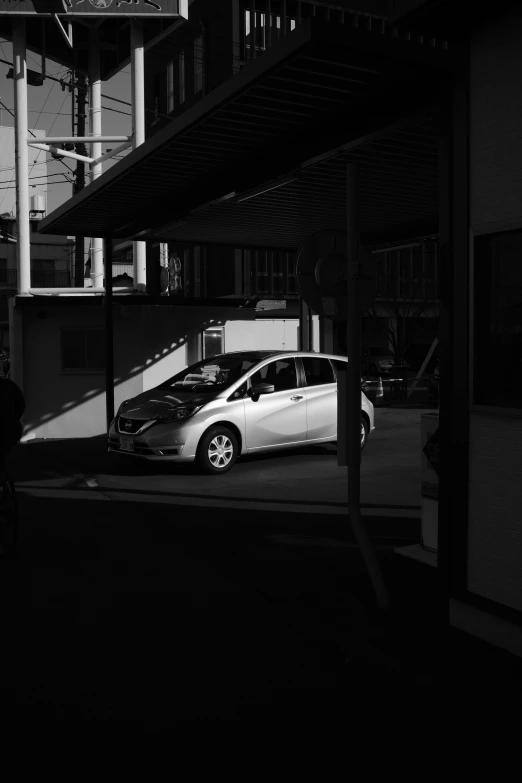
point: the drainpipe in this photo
(139, 249)
(96, 147)
(109, 336)
(23, 246)
(352, 399)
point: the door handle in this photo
(296, 397)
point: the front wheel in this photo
(218, 450)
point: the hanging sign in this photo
(77, 8)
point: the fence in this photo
(39, 279)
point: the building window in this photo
(197, 272)
(198, 63)
(83, 350)
(292, 282)
(187, 278)
(170, 87)
(277, 274)
(497, 333)
(261, 273)
(181, 75)
(213, 342)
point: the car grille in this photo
(129, 426)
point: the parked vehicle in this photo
(233, 404)
(379, 361)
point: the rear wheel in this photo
(217, 451)
(364, 433)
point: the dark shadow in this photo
(152, 619)
(143, 337)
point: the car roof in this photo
(260, 355)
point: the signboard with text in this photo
(99, 8)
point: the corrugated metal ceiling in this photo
(317, 88)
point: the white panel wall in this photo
(266, 334)
(495, 471)
(495, 509)
(150, 344)
(496, 125)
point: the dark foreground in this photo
(152, 613)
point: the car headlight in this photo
(178, 414)
(124, 403)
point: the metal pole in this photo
(81, 94)
(252, 29)
(303, 332)
(109, 336)
(23, 246)
(353, 387)
(139, 249)
(96, 147)
(310, 318)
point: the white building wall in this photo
(495, 509)
(267, 334)
(495, 479)
(150, 345)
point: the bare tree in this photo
(406, 289)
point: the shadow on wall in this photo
(150, 344)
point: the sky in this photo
(50, 111)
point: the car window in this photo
(317, 371)
(339, 365)
(210, 375)
(282, 374)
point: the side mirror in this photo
(263, 388)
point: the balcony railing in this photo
(39, 279)
(264, 22)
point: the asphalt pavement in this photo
(156, 597)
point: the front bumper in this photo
(160, 442)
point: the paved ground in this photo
(308, 478)
(146, 607)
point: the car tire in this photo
(364, 433)
(217, 451)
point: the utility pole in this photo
(81, 98)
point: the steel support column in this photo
(23, 246)
(95, 129)
(139, 249)
(454, 336)
(304, 334)
(109, 336)
(352, 396)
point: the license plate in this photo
(126, 444)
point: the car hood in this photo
(156, 401)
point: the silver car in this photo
(233, 404)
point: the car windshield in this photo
(380, 351)
(211, 374)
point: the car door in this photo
(321, 398)
(277, 419)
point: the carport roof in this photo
(325, 94)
